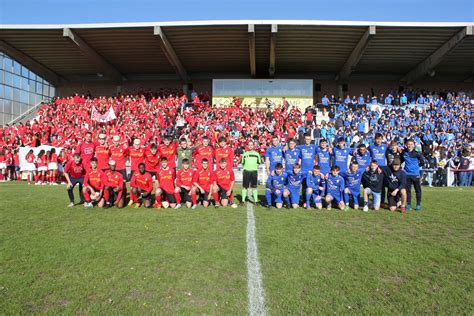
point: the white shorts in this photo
(43, 168)
(53, 166)
(3, 165)
(29, 166)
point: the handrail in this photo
(22, 116)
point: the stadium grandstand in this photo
(340, 57)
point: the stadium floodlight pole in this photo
(253, 62)
(104, 66)
(31, 63)
(170, 54)
(274, 31)
(429, 64)
(355, 55)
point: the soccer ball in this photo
(234, 205)
(165, 204)
(95, 196)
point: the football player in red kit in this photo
(142, 185)
(204, 180)
(165, 186)
(204, 151)
(168, 150)
(114, 189)
(102, 153)
(224, 184)
(184, 184)
(93, 185)
(137, 156)
(74, 172)
(119, 154)
(86, 149)
(224, 152)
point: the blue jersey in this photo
(294, 180)
(324, 160)
(363, 160)
(277, 181)
(315, 182)
(275, 155)
(291, 158)
(413, 160)
(334, 185)
(353, 180)
(378, 153)
(341, 156)
(307, 156)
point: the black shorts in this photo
(138, 190)
(250, 179)
(393, 200)
(153, 173)
(123, 172)
(205, 196)
(168, 196)
(185, 196)
(222, 193)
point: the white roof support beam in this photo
(428, 65)
(253, 62)
(104, 66)
(273, 39)
(356, 55)
(170, 54)
(31, 63)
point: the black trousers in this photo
(416, 182)
(70, 192)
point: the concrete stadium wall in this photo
(356, 87)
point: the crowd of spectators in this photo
(439, 123)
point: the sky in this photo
(103, 11)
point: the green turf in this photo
(59, 260)
(376, 263)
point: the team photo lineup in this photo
(188, 151)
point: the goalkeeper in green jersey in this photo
(250, 160)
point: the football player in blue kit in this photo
(323, 156)
(276, 187)
(362, 156)
(335, 189)
(352, 180)
(293, 187)
(273, 155)
(315, 188)
(341, 155)
(307, 152)
(291, 156)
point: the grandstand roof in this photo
(341, 50)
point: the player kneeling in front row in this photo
(293, 187)
(204, 180)
(352, 178)
(93, 185)
(184, 184)
(224, 184)
(315, 188)
(335, 189)
(114, 189)
(141, 186)
(275, 187)
(395, 180)
(165, 177)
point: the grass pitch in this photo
(59, 260)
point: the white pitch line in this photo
(255, 285)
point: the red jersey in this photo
(185, 177)
(112, 179)
(169, 152)
(94, 179)
(152, 161)
(75, 170)
(136, 157)
(205, 178)
(142, 181)
(41, 161)
(165, 179)
(202, 152)
(54, 158)
(227, 153)
(224, 177)
(119, 154)
(102, 153)
(86, 150)
(30, 158)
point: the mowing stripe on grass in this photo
(255, 285)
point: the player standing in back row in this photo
(250, 160)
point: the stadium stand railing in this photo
(27, 115)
